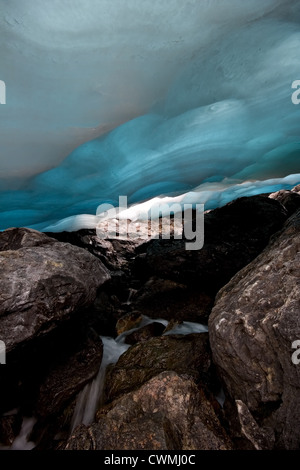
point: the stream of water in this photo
(91, 397)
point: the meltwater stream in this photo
(91, 396)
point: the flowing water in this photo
(22, 442)
(91, 397)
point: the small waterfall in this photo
(21, 442)
(90, 397)
(145, 321)
(131, 294)
(220, 397)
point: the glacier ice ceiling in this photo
(144, 98)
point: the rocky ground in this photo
(61, 292)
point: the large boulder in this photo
(233, 236)
(114, 254)
(145, 333)
(289, 199)
(68, 375)
(10, 426)
(172, 282)
(168, 412)
(184, 354)
(42, 283)
(164, 298)
(252, 328)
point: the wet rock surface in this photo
(10, 426)
(185, 354)
(144, 333)
(252, 328)
(234, 235)
(167, 412)
(164, 298)
(42, 283)
(68, 376)
(59, 293)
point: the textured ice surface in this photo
(203, 89)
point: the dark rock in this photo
(106, 311)
(16, 238)
(168, 412)
(53, 432)
(10, 426)
(128, 322)
(57, 395)
(252, 328)
(184, 354)
(9, 388)
(66, 378)
(50, 295)
(289, 199)
(44, 379)
(114, 254)
(42, 284)
(234, 235)
(232, 422)
(172, 324)
(262, 439)
(167, 299)
(29, 365)
(145, 332)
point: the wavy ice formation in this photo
(149, 99)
